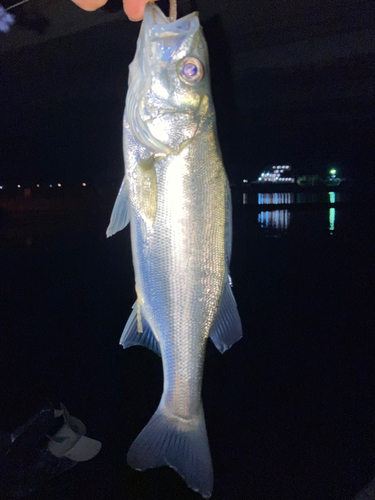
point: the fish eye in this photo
(191, 70)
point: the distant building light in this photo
(245, 181)
(259, 179)
(50, 185)
(83, 183)
(332, 171)
(18, 185)
(59, 185)
(1, 187)
(38, 185)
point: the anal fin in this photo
(131, 335)
(227, 328)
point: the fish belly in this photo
(180, 267)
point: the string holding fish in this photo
(172, 10)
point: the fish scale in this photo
(176, 196)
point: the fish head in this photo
(169, 86)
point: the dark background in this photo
(293, 82)
(290, 408)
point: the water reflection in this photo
(332, 217)
(297, 198)
(275, 219)
(332, 197)
(278, 221)
(275, 198)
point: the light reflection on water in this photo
(275, 213)
(275, 198)
(295, 198)
(332, 217)
(278, 221)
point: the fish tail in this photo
(180, 444)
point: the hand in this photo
(134, 9)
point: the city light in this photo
(18, 185)
(83, 183)
(245, 181)
(50, 185)
(59, 185)
(275, 174)
(38, 185)
(1, 187)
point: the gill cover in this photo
(163, 109)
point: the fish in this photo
(176, 196)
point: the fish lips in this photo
(159, 26)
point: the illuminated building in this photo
(277, 174)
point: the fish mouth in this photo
(161, 26)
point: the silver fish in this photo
(176, 195)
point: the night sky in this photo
(293, 82)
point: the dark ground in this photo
(290, 409)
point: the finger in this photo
(134, 9)
(90, 5)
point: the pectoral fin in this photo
(120, 216)
(227, 328)
(131, 335)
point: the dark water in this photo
(290, 409)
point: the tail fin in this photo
(181, 444)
